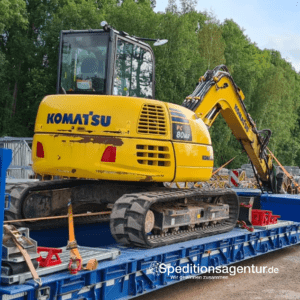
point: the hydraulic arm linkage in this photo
(217, 93)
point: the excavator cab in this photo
(105, 62)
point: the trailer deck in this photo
(136, 271)
(139, 271)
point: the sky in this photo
(271, 24)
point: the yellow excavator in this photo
(107, 145)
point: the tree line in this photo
(29, 40)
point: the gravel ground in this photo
(283, 285)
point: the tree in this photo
(30, 57)
(211, 45)
(172, 7)
(277, 97)
(188, 6)
(12, 12)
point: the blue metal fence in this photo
(5, 160)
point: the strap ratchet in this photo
(17, 238)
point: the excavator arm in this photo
(217, 94)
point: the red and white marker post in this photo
(234, 178)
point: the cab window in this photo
(133, 71)
(84, 58)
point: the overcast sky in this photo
(271, 24)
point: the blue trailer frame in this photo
(136, 271)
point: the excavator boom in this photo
(217, 94)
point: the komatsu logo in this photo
(80, 119)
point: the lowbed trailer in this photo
(139, 271)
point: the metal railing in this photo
(20, 167)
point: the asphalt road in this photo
(243, 286)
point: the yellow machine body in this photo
(118, 138)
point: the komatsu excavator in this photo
(112, 146)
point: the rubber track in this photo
(20, 191)
(128, 214)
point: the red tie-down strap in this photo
(243, 224)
